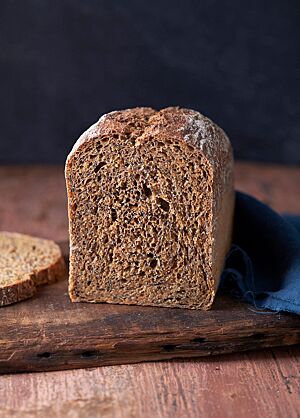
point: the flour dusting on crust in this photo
(204, 134)
(92, 132)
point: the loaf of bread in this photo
(25, 263)
(150, 201)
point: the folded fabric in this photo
(263, 265)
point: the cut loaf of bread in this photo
(25, 263)
(150, 200)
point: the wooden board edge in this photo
(82, 358)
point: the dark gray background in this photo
(65, 62)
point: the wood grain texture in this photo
(43, 333)
(244, 385)
(261, 383)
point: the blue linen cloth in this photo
(263, 264)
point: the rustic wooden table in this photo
(254, 384)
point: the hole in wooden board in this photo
(257, 335)
(169, 347)
(46, 354)
(88, 354)
(199, 340)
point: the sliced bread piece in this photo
(25, 263)
(150, 198)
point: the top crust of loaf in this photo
(200, 133)
(189, 125)
(185, 124)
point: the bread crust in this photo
(22, 289)
(26, 285)
(206, 138)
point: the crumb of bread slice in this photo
(25, 263)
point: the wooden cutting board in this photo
(48, 332)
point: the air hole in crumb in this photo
(147, 191)
(98, 166)
(174, 263)
(142, 273)
(163, 204)
(150, 255)
(153, 263)
(88, 282)
(113, 214)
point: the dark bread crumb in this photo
(150, 197)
